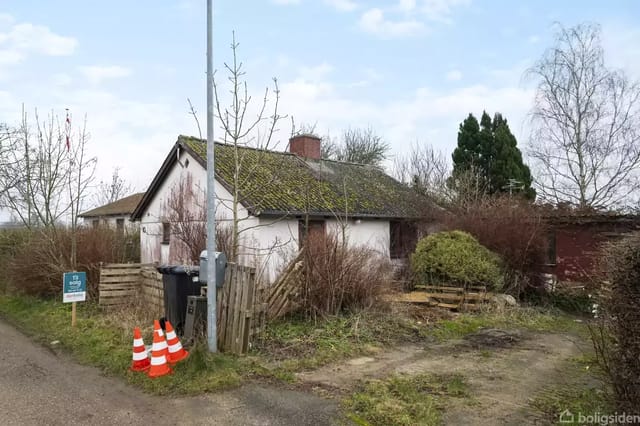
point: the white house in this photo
(281, 196)
(114, 215)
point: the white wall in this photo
(110, 221)
(151, 247)
(372, 233)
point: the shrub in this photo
(40, 256)
(455, 257)
(616, 336)
(338, 277)
(514, 229)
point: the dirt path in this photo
(39, 387)
(501, 379)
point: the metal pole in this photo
(212, 335)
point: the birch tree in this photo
(585, 144)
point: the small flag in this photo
(67, 126)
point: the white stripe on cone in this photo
(158, 360)
(139, 356)
(138, 342)
(171, 335)
(175, 347)
(158, 346)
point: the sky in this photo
(410, 69)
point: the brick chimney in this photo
(305, 145)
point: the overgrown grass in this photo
(99, 341)
(295, 344)
(404, 400)
(533, 319)
(286, 347)
(584, 391)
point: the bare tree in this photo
(39, 170)
(426, 170)
(186, 210)
(245, 124)
(7, 147)
(358, 145)
(586, 138)
(108, 192)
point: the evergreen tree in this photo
(490, 148)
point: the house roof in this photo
(282, 183)
(121, 207)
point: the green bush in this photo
(455, 257)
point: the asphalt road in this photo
(41, 387)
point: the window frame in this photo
(166, 233)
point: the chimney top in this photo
(305, 145)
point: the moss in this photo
(282, 182)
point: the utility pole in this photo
(212, 334)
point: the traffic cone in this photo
(140, 359)
(159, 353)
(176, 353)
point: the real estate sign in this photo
(74, 287)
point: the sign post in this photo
(74, 289)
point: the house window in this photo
(95, 223)
(312, 229)
(551, 248)
(166, 232)
(402, 239)
(120, 225)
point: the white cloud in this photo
(373, 21)
(286, 2)
(407, 5)
(18, 41)
(534, 39)
(441, 10)
(426, 114)
(342, 5)
(453, 75)
(96, 74)
(27, 37)
(316, 72)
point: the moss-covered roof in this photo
(272, 182)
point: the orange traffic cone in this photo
(176, 353)
(159, 353)
(140, 359)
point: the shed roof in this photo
(282, 183)
(122, 207)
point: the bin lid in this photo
(178, 269)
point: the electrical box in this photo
(221, 267)
(195, 324)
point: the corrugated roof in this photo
(273, 182)
(123, 206)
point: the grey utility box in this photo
(221, 266)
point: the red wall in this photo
(577, 246)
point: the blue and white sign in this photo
(74, 287)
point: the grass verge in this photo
(404, 400)
(100, 341)
(583, 392)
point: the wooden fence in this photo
(119, 283)
(241, 311)
(242, 307)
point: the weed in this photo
(404, 400)
(582, 391)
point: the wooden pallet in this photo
(458, 298)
